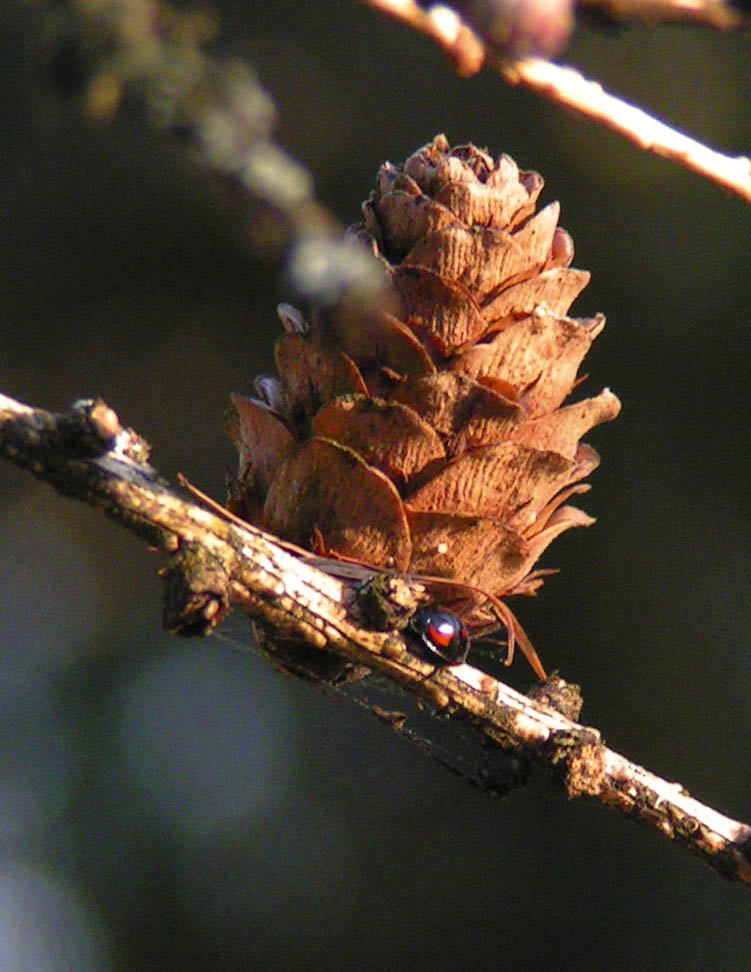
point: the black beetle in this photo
(443, 635)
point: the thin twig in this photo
(88, 455)
(718, 14)
(568, 87)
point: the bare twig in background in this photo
(219, 120)
(566, 86)
(88, 455)
(708, 13)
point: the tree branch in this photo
(568, 87)
(217, 563)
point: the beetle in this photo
(444, 636)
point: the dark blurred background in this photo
(179, 805)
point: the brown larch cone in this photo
(433, 439)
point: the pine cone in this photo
(433, 439)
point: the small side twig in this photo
(568, 87)
(88, 455)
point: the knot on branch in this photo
(88, 430)
(555, 692)
(386, 601)
(583, 770)
(196, 591)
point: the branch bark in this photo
(87, 454)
